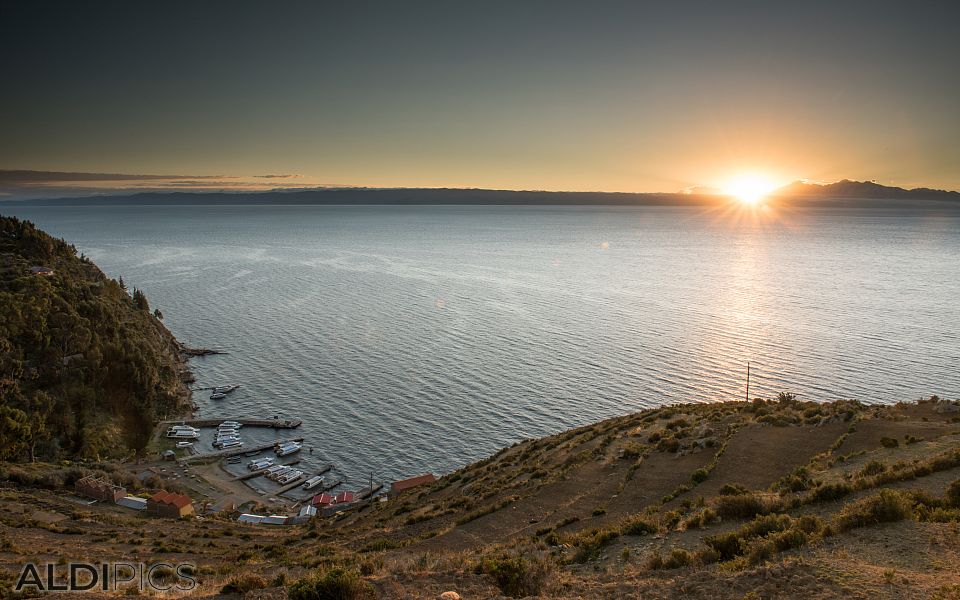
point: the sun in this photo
(749, 189)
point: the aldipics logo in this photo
(106, 577)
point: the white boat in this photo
(260, 463)
(275, 469)
(217, 396)
(226, 389)
(313, 482)
(276, 475)
(182, 434)
(288, 448)
(288, 477)
(231, 444)
(184, 444)
(233, 423)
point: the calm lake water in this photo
(415, 339)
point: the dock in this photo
(291, 485)
(369, 491)
(253, 474)
(234, 451)
(276, 423)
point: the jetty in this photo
(260, 472)
(276, 423)
(233, 451)
(290, 485)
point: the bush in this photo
(885, 507)
(830, 491)
(516, 576)
(953, 493)
(733, 489)
(637, 526)
(874, 467)
(336, 584)
(700, 475)
(742, 506)
(244, 584)
(888, 442)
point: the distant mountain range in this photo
(799, 193)
(861, 189)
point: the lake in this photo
(415, 339)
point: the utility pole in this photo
(748, 381)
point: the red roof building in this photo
(398, 487)
(168, 504)
(323, 499)
(344, 497)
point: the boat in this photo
(231, 444)
(260, 463)
(279, 473)
(290, 476)
(184, 444)
(226, 389)
(237, 424)
(313, 482)
(288, 448)
(275, 469)
(217, 396)
(182, 434)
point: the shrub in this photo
(516, 576)
(885, 507)
(874, 467)
(733, 489)
(589, 546)
(678, 558)
(830, 491)
(335, 584)
(700, 475)
(244, 584)
(742, 506)
(637, 526)
(953, 493)
(888, 442)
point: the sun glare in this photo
(749, 189)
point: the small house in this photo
(308, 511)
(323, 499)
(170, 505)
(94, 487)
(399, 487)
(133, 502)
(275, 520)
(344, 497)
(252, 519)
(42, 271)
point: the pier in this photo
(234, 451)
(276, 423)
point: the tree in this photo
(123, 286)
(14, 432)
(140, 300)
(158, 314)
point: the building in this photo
(133, 502)
(275, 520)
(323, 499)
(170, 505)
(344, 497)
(308, 511)
(399, 487)
(252, 519)
(98, 488)
(44, 271)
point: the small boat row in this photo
(220, 392)
(283, 474)
(260, 463)
(183, 432)
(228, 436)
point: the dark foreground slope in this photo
(767, 499)
(85, 369)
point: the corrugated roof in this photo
(406, 484)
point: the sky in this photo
(611, 96)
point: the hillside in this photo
(862, 190)
(767, 499)
(85, 368)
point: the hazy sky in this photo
(630, 96)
